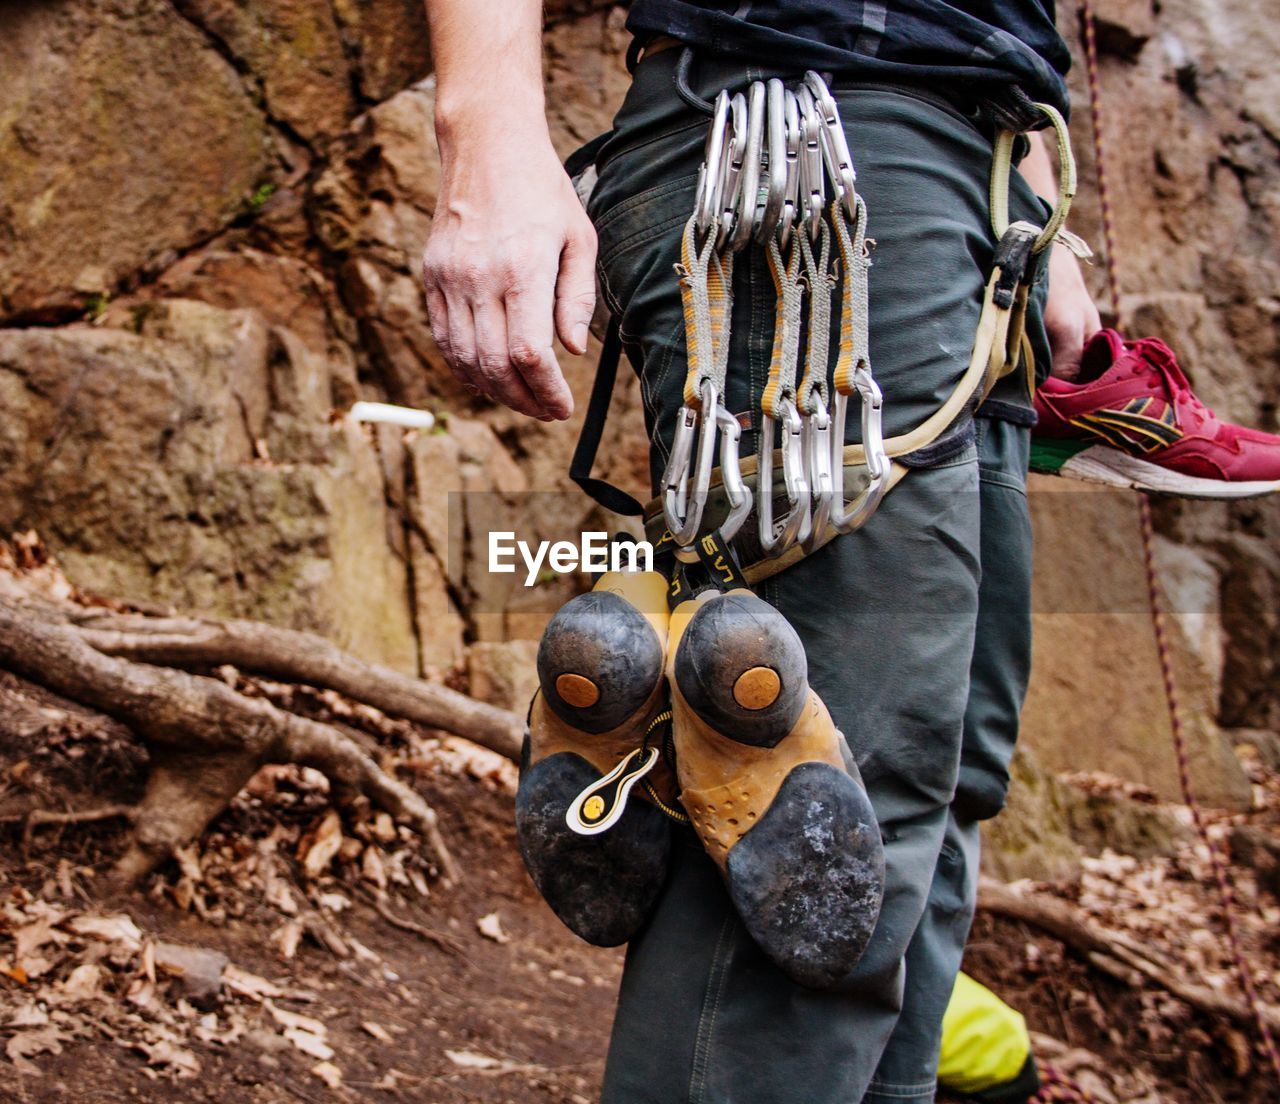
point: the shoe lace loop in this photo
(1164, 366)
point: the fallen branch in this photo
(294, 656)
(383, 909)
(206, 740)
(35, 818)
(1117, 955)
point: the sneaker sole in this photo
(1113, 468)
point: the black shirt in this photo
(983, 47)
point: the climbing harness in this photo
(778, 175)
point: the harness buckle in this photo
(1013, 258)
(794, 479)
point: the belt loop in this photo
(682, 84)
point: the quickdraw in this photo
(771, 159)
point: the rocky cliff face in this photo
(210, 220)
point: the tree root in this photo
(301, 657)
(380, 905)
(1121, 957)
(206, 740)
(36, 818)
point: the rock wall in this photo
(211, 214)
(1192, 150)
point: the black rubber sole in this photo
(602, 887)
(808, 879)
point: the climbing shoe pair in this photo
(705, 716)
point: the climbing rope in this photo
(1156, 596)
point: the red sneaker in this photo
(1131, 420)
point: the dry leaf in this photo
(288, 1019)
(384, 828)
(482, 1063)
(27, 1044)
(32, 967)
(84, 982)
(287, 937)
(29, 1015)
(318, 847)
(249, 985)
(491, 928)
(372, 868)
(110, 929)
(333, 902)
(280, 896)
(328, 1073)
(31, 937)
(166, 1053)
(311, 1045)
(142, 993)
(469, 1059)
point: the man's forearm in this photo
(488, 68)
(1070, 314)
(511, 256)
(1037, 169)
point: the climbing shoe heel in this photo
(593, 844)
(764, 780)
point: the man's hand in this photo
(511, 258)
(1070, 314)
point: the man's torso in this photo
(983, 47)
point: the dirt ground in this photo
(467, 993)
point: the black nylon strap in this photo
(584, 454)
(718, 560)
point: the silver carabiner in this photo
(744, 224)
(835, 146)
(794, 480)
(816, 438)
(735, 488)
(706, 204)
(791, 198)
(681, 509)
(775, 161)
(813, 191)
(734, 152)
(848, 517)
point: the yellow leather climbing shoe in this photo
(766, 779)
(588, 821)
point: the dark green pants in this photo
(888, 615)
